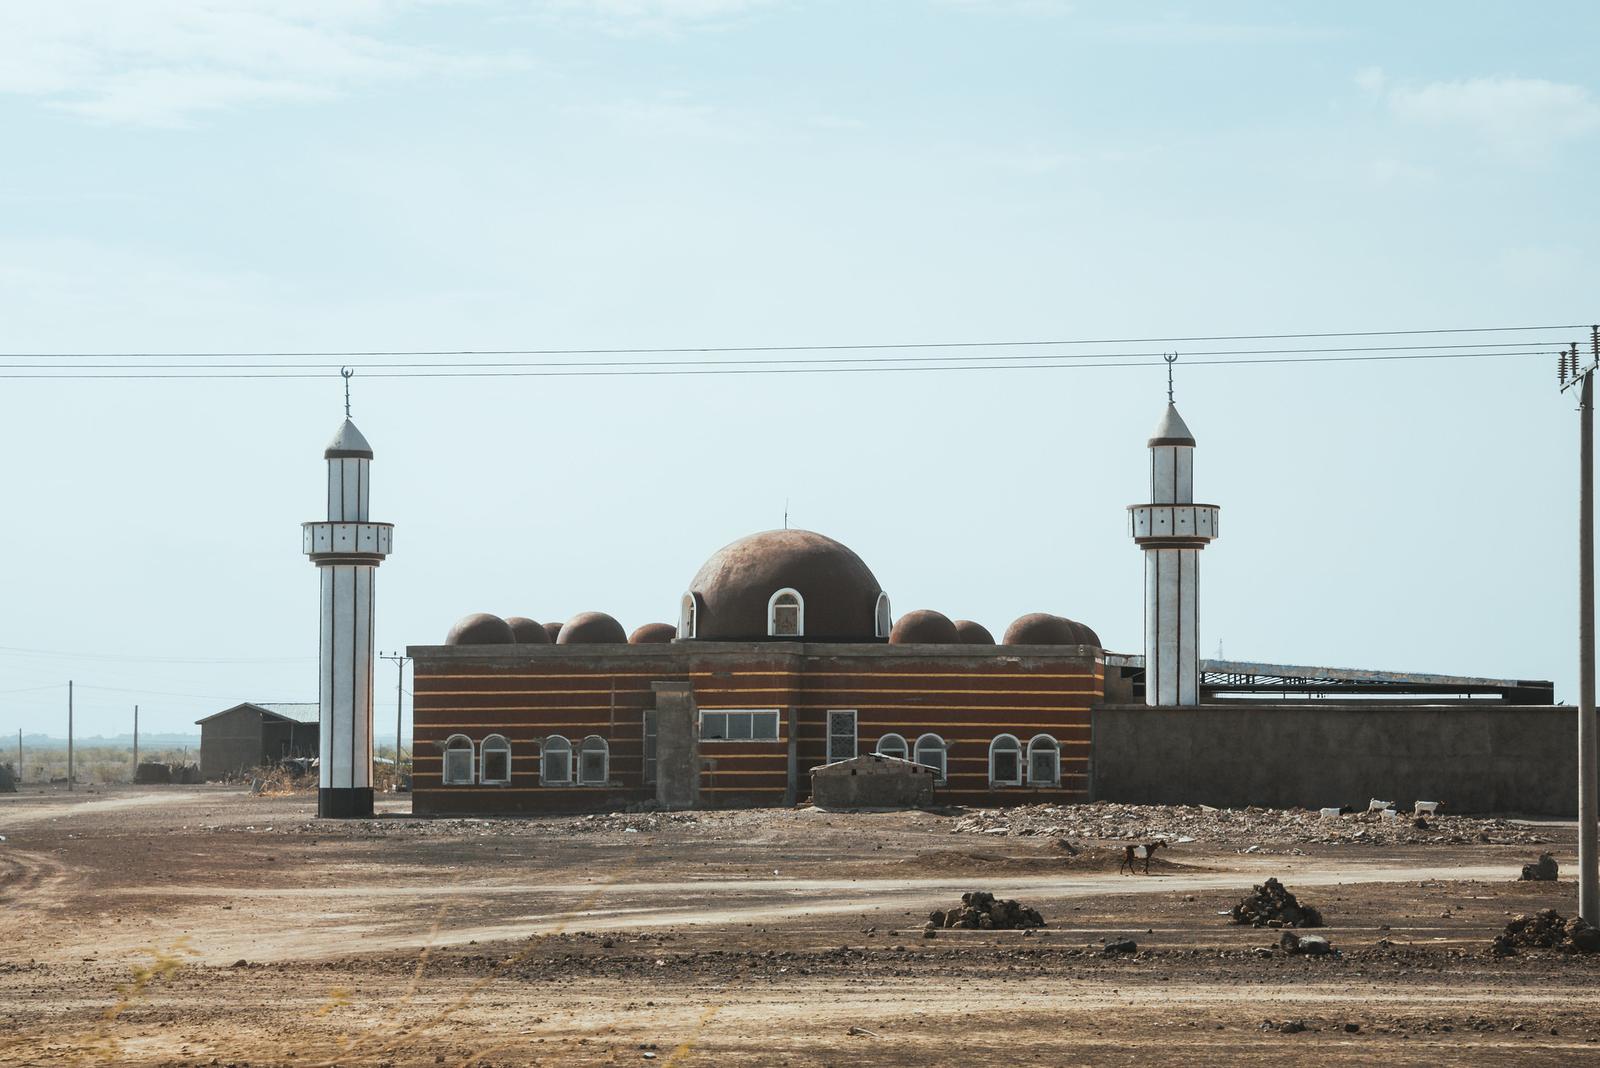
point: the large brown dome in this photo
(480, 628)
(653, 634)
(734, 587)
(526, 631)
(592, 628)
(924, 627)
(1042, 628)
(553, 631)
(973, 633)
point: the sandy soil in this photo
(775, 937)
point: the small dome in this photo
(653, 634)
(1172, 430)
(972, 633)
(591, 628)
(924, 627)
(348, 444)
(733, 588)
(480, 628)
(553, 630)
(526, 631)
(1042, 628)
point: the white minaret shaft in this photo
(1172, 530)
(347, 549)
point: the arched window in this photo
(495, 764)
(786, 614)
(555, 761)
(1044, 761)
(930, 753)
(688, 616)
(1005, 761)
(882, 622)
(594, 761)
(458, 760)
(893, 745)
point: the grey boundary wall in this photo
(1481, 758)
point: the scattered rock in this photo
(1309, 945)
(1544, 870)
(1121, 946)
(1271, 905)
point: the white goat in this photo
(1378, 806)
(1426, 808)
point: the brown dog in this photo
(1133, 853)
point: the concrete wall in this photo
(1489, 757)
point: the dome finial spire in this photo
(1170, 357)
(346, 372)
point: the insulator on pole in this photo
(1561, 368)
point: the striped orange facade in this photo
(530, 694)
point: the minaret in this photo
(1172, 530)
(347, 549)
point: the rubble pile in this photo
(981, 910)
(1256, 827)
(1544, 870)
(1271, 905)
(1546, 929)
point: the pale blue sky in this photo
(187, 175)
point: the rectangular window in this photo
(592, 767)
(649, 745)
(496, 765)
(458, 766)
(1042, 771)
(555, 766)
(755, 725)
(1007, 768)
(786, 620)
(841, 735)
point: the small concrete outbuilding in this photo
(872, 780)
(249, 735)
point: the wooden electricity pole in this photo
(69, 735)
(1588, 839)
(135, 777)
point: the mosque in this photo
(787, 655)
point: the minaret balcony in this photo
(1173, 526)
(338, 540)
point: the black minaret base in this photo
(345, 803)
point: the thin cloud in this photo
(165, 62)
(1508, 113)
(649, 17)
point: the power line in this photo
(469, 371)
(11, 650)
(347, 354)
(236, 366)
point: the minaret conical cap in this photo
(348, 443)
(1172, 430)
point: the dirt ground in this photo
(203, 925)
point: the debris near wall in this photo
(1546, 929)
(982, 911)
(1256, 830)
(1271, 905)
(1544, 870)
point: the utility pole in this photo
(19, 754)
(1588, 839)
(69, 735)
(135, 776)
(400, 661)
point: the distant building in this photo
(249, 735)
